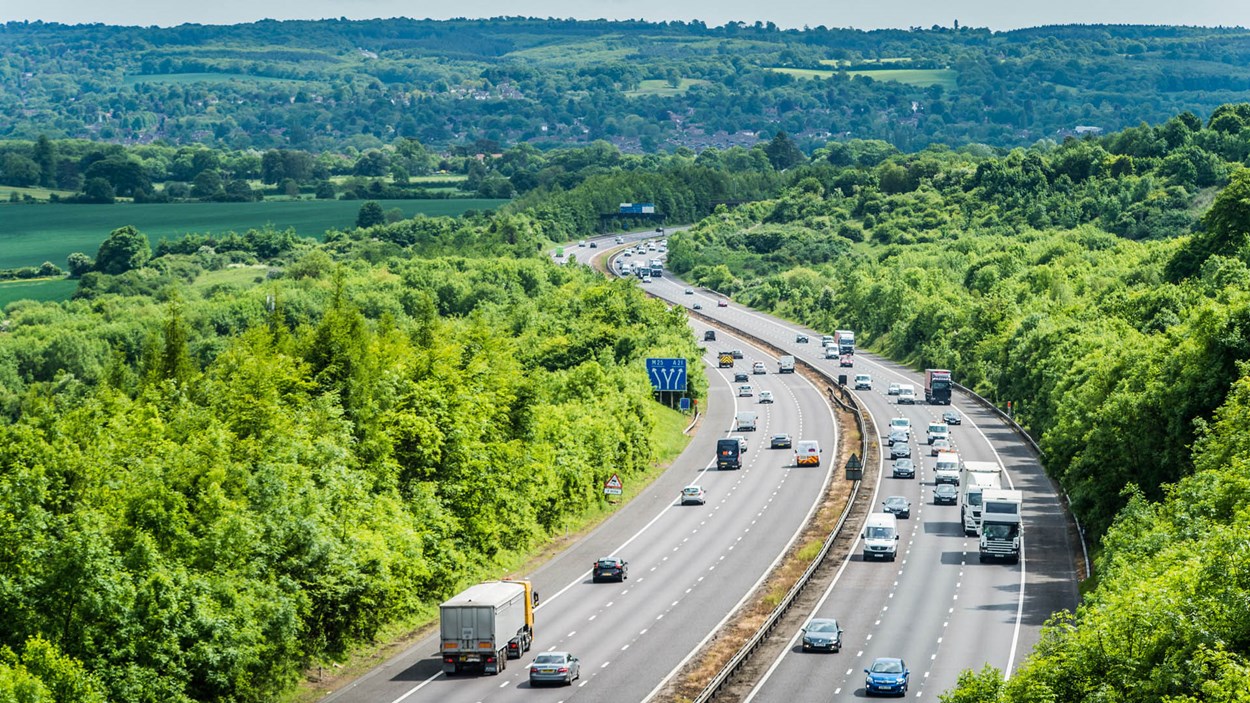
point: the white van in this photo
(880, 537)
(937, 430)
(906, 394)
(947, 469)
(807, 453)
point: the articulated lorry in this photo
(1001, 524)
(485, 625)
(974, 478)
(845, 341)
(937, 386)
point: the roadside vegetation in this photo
(206, 488)
(1102, 286)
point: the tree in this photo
(78, 263)
(20, 170)
(125, 174)
(126, 248)
(207, 184)
(370, 214)
(782, 152)
(325, 190)
(45, 156)
(99, 190)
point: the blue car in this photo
(886, 675)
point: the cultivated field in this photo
(655, 86)
(37, 289)
(921, 77)
(33, 234)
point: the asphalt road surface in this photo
(936, 606)
(689, 566)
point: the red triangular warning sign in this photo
(614, 482)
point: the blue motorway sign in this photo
(667, 374)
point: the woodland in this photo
(335, 85)
(211, 482)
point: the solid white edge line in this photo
(767, 572)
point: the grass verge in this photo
(668, 441)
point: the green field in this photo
(662, 88)
(37, 289)
(33, 234)
(920, 77)
(181, 78)
(6, 193)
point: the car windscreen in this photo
(826, 626)
(607, 563)
(549, 659)
(879, 533)
(887, 668)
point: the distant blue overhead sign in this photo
(667, 374)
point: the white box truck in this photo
(1001, 524)
(975, 477)
(485, 625)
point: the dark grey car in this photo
(900, 450)
(900, 506)
(904, 468)
(822, 634)
(945, 494)
(555, 667)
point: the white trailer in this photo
(485, 625)
(1001, 524)
(975, 477)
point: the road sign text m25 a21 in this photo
(667, 374)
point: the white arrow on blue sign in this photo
(667, 374)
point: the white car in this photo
(689, 291)
(742, 443)
(766, 396)
(863, 382)
(892, 390)
(693, 495)
(745, 391)
(758, 368)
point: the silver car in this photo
(555, 667)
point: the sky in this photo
(862, 14)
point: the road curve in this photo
(937, 607)
(690, 566)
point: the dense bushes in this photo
(1054, 279)
(203, 496)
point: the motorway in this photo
(936, 607)
(689, 566)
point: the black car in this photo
(822, 634)
(610, 569)
(945, 494)
(897, 437)
(594, 246)
(904, 468)
(741, 377)
(709, 336)
(951, 417)
(800, 338)
(900, 506)
(900, 450)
